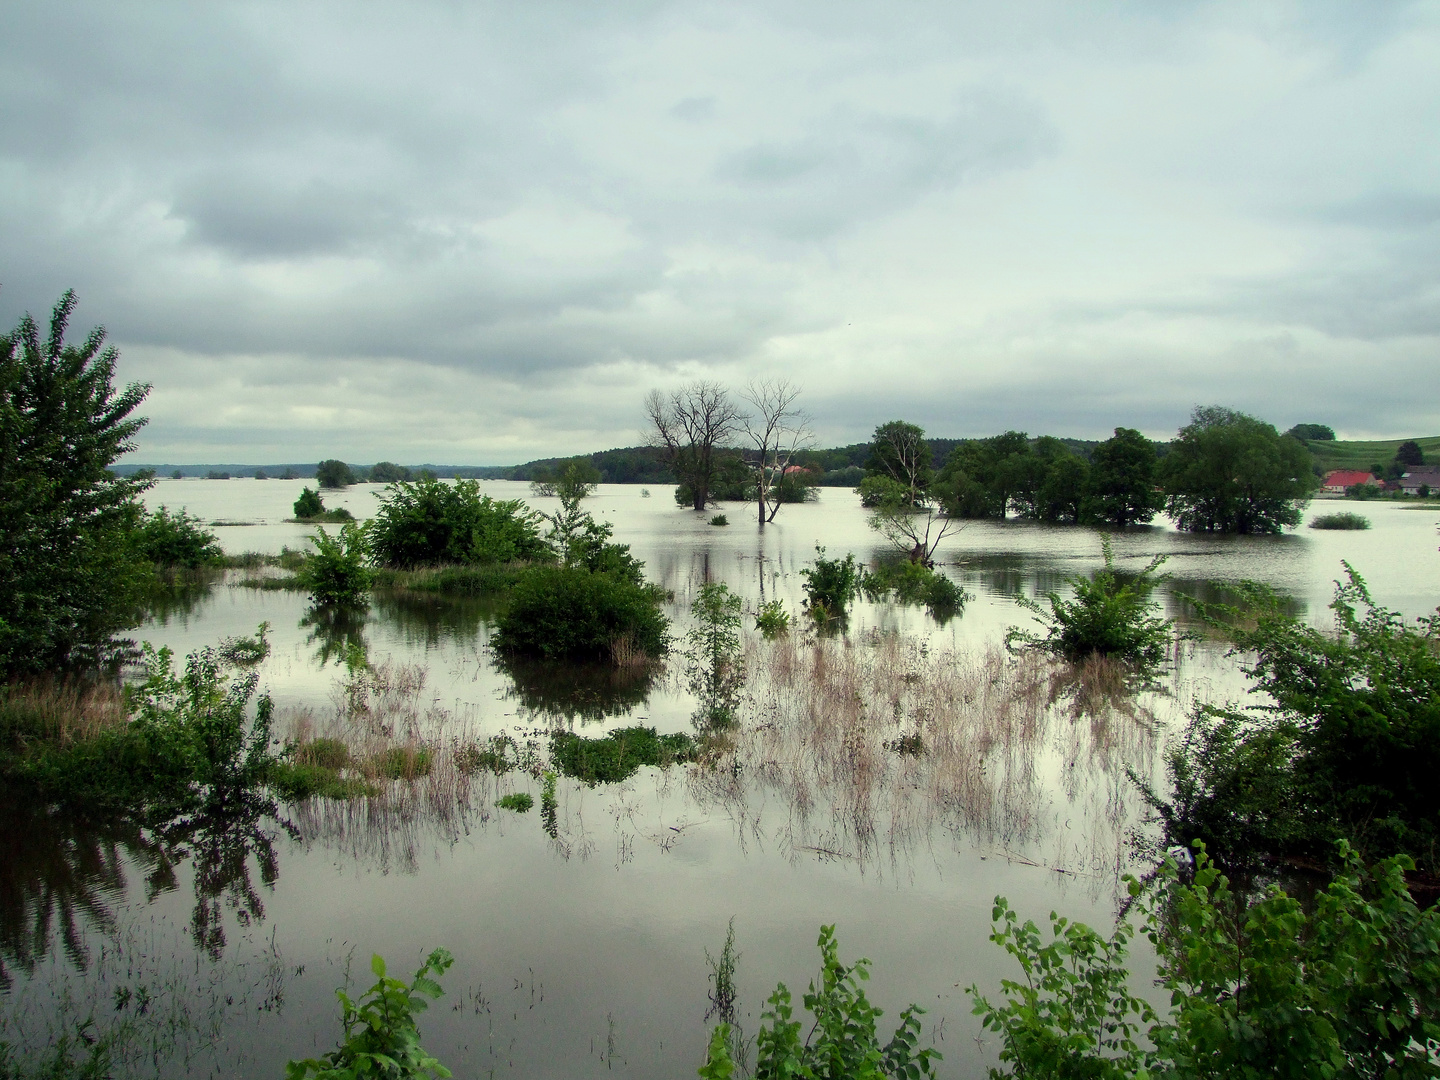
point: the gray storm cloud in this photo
(482, 233)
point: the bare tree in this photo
(686, 425)
(917, 531)
(779, 431)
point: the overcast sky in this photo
(469, 233)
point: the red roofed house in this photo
(1337, 481)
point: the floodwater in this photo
(581, 940)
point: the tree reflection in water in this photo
(561, 693)
(336, 630)
(63, 871)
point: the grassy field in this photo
(1361, 455)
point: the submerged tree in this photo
(900, 453)
(779, 431)
(1122, 488)
(689, 425)
(69, 569)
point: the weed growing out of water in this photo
(1107, 616)
(719, 519)
(497, 754)
(1340, 521)
(916, 583)
(381, 1038)
(842, 1040)
(404, 762)
(772, 619)
(548, 804)
(519, 801)
(715, 667)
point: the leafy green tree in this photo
(338, 570)
(911, 529)
(1122, 488)
(982, 477)
(1231, 473)
(1313, 432)
(731, 480)
(1409, 453)
(332, 473)
(1064, 479)
(175, 540)
(387, 472)
(900, 453)
(309, 504)
(429, 523)
(70, 570)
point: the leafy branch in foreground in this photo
(1106, 616)
(381, 1039)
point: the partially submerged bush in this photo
(618, 755)
(1107, 615)
(772, 619)
(915, 583)
(830, 584)
(1350, 749)
(519, 801)
(337, 571)
(310, 507)
(1347, 520)
(427, 523)
(563, 612)
(175, 540)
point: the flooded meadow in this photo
(890, 778)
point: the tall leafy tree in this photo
(333, 473)
(900, 453)
(1409, 453)
(1229, 472)
(69, 571)
(1122, 488)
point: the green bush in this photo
(337, 571)
(519, 801)
(429, 523)
(175, 540)
(618, 755)
(915, 583)
(332, 473)
(1107, 616)
(1340, 521)
(1346, 987)
(841, 1042)
(772, 619)
(830, 584)
(381, 1038)
(309, 504)
(719, 519)
(1350, 748)
(715, 671)
(571, 613)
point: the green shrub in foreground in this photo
(830, 584)
(1350, 988)
(570, 613)
(381, 1038)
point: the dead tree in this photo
(778, 431)
(687, 425)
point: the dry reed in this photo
(64, 711)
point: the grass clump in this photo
(1346, 520)
(619, 755)
(454, 580)
(403, 763)
(519, 801)
(719, 519)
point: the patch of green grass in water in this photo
(519, 801)
(617, 756)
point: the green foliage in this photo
(719, 519)
(1340, 521)
(1317, 432)
(337, 571)
(569, 481)
(387, 472)
(1350, 748)
(981, 478)
(497, 754)
(1348, 989)
(519, 801)
(309, 504)
(731, 480)
(404, 763)
(1106, 616)
(1231, 473)
(70, 571)
(795, 486)
(189, 740)
(1122, 488)
(381, 1039)
(899, 452)
(616, 756)
(175, 540)
(715, 670)
(332, 473)
(1409, 453)
(561, 612)
(830, 584)
(772, 619)
(915, 583)
(428, 523)
(841, 1043)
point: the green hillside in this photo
(1362, 455)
